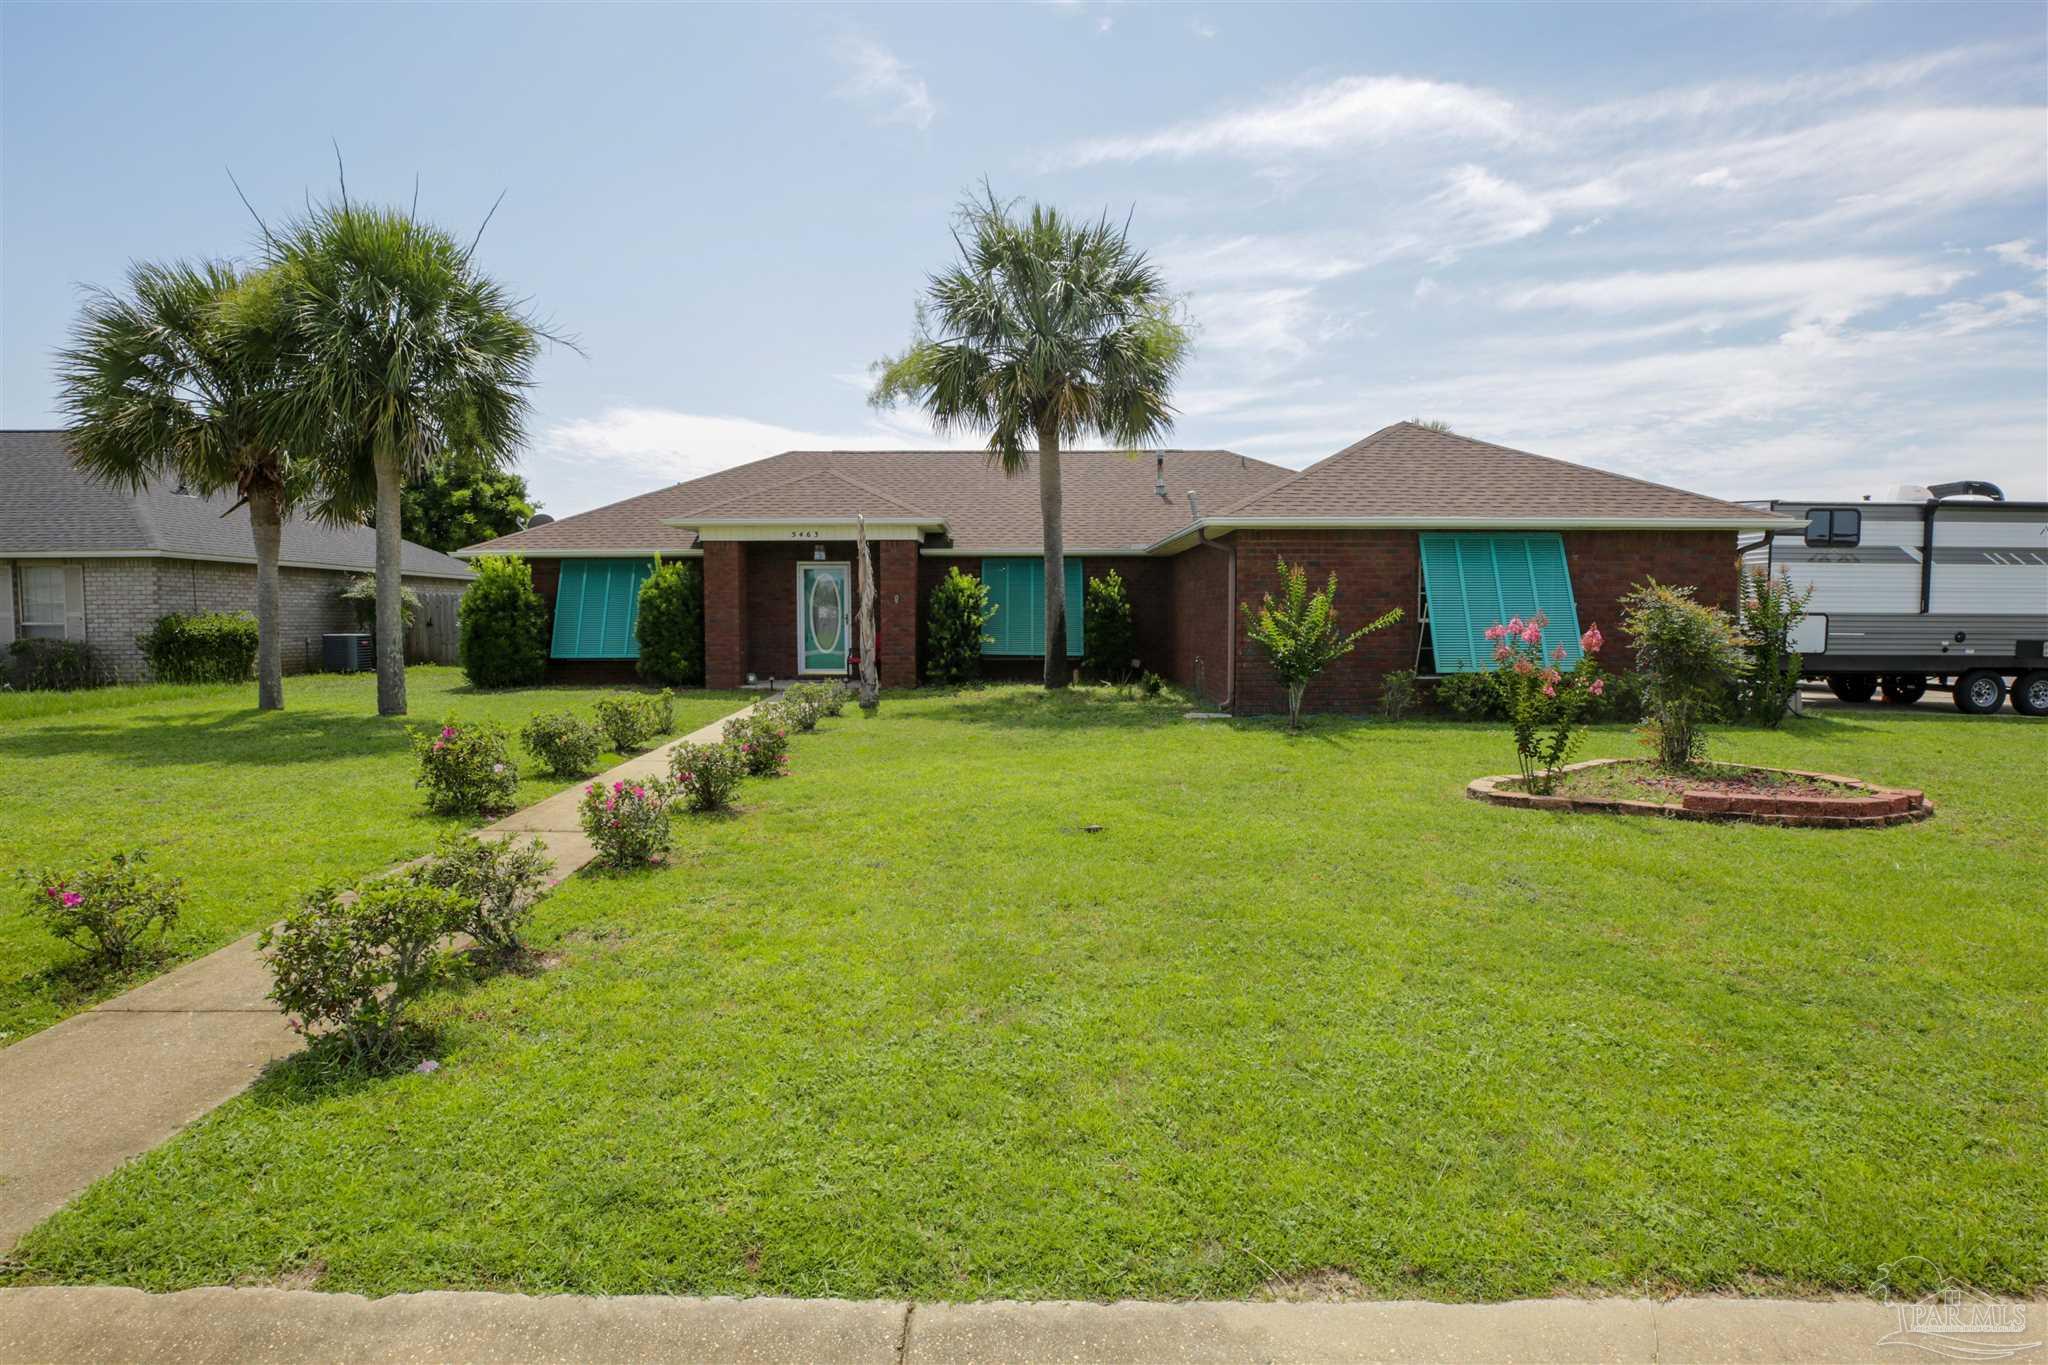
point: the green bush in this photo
(1399, 693)
(504, 625)
(658, 712)
(671, 625)
(806, 703)
(203, 647)
(956, 628)
(360, 597)
(352, 965)
(624, 721)
(1621, 702)
(833, 698)
(1771, 610)
(44, 665)
(1106, 634)
(466, 767)
(628, 822)
(707, 775)
(1152, 684)
(762, 738)
(1299, 634)
(500, 879)
(107, 908)
(566, 744)
(1469, 696)
(1690, 656)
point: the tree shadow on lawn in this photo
(268, 739)
(1031, 708)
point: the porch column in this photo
(725, 614)
(896, 612)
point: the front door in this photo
(823, 617)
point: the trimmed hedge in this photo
(670, 626)
(504, 625)
(202, 647)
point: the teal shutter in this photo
(1017, 588)
(1474, 581)
(597, 608)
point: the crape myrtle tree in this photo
(1048, 330)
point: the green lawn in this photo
(905, 1027)
(250, 809)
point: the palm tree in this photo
(1047, 330)
(403, 355)
(170, 381)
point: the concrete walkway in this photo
(94, 1090)
(282, 1326)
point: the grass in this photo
(251, 809)
(1298, 1012)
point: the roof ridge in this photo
(1303, 473)
(822, 471)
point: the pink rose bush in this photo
(108, 909)
(1543, 700)
(707, 775)
(466, 767)
(627, 821)
(762, 739)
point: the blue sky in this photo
(1750, 251)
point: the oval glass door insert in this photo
(827, 613)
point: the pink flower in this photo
(497, 767)
(782, 758)
(746, 748)
(1501, 651)
(1558, 654)
(439, 745)
(1532, 634)
(1597, 686)
(53, 891)
(72, 900)
(1523, 666)
(640, 793)
(618, 786)
(590, 790)
(1551, 676)
(689, 777)
(1592, 640)
(1514, 626)
(1496, 631)
(428, 1067)
(1549, 691)
(447, 732)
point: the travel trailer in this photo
(1943, 587)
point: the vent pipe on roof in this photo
(1159, 473)
(1194, 509)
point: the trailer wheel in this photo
(1903, 689)
(1979, 692)
(2030, 693)
(1855, 688)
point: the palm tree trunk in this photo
(1050, 506)
(390, 585)
(266, 525)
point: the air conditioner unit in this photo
(351, 653)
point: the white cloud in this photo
(1822, 291)
(1720, 178)
(2021, 253)
(884, 83)
(1426, 289)
(1192, 263)
(1717, 99)
(1355, 111)
(1477, 208)
(1201, 28)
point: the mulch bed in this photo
(1724, 792)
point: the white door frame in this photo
(845, 613)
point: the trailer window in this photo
(1834, 526)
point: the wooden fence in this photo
(432, 638)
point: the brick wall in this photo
(1606, 565)
(1199, 632)
(1375, 570)
(897, 609)
(725, 614)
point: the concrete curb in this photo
(106, 1085)
(208, 1325)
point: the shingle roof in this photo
(1412, 471)
(48, 507)
(1109, 499)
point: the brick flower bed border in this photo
(1882, 806)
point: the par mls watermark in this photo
(1960, 1324)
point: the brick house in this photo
(1456, 532)
(82, 560)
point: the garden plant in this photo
(1112, 644)
(1691, 659)
(1770, 610)
(1544, 702)
(625, 721)
(109, 909)
(762, 739)
(466, 766)
(566, 744)
(956, 628)
(658, 712)
(670, 625)
(503, 625)
(500, 879)
(628, 822)
(707, 775)
(201, 647)
(1299, 633)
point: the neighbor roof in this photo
(1110, 501)
(50, 508)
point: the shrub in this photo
(956, 628)
(624, 722)
(360, 597)
(804, 703)
(500, 879)
(1543, 702)
(45, 665)
(1110, 642)
(466, 767)
(1771, 610)
(1399, 693)
(707, 775)
(833, 697)
(670, 625)
(628, 822)
(1152, 684)
(1469, 696)
(108, 908)
(504, 625)
(566, 744)
(658, 712)
(1690, 657)
(353, 964)
(762, 738)
(202, 647)
(1299, 633)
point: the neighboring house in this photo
(1456, 532)
(82, 560)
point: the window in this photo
(1834, 526)
(1016, 588)
(1471, 581)
(42, 601)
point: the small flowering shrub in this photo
(351, 965)
(566, 744)
(500, 878)
(804, 704)
(1544, 704)
(628, 822)
(762, 739)
(107, 909)
(466, 767)
(707, 775)
(1691, 658)
(624, 722)
(658, 712)
(834, 698)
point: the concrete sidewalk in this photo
(283, 1326)
(94, 1090)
